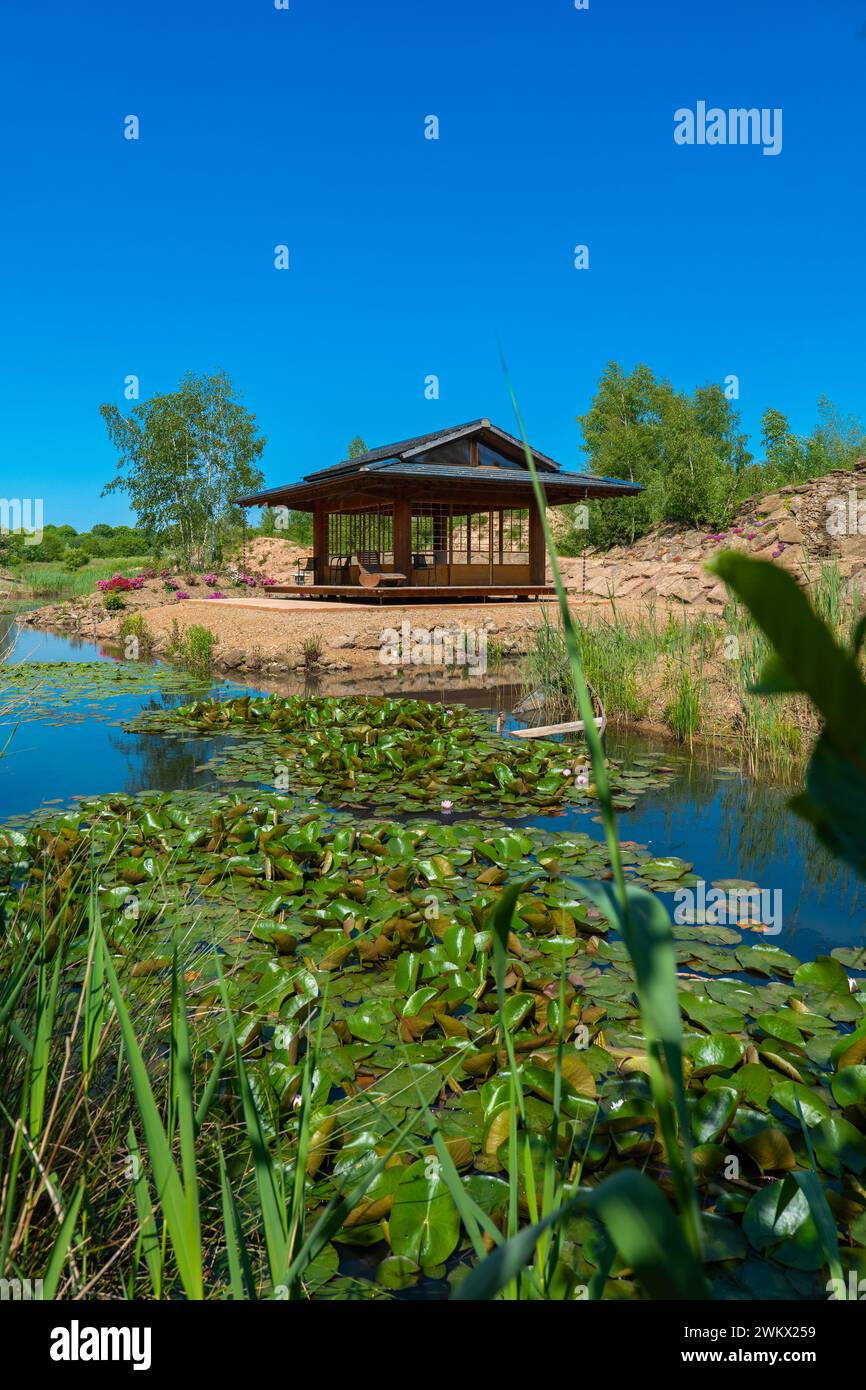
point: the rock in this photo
(347, 640)
(231, 660)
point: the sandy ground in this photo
(267, 634)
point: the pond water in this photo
(727, 824)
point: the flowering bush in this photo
(212, 580)
(170, 586)
(181, 593)
(118, 583)
(216, 594)
(254, 581)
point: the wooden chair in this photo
(421, 564)
(371, 573)
(338, 569)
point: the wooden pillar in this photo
(439, 538)
(490, 516)
(537, 553)
(403, 538)
(320, 542)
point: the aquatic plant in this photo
(134, 625)
(401, 752)
(408, 1044)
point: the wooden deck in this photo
(416, 593)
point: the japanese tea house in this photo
(446, 515)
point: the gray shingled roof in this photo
(399, 460)
(404, 447)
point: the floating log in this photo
(537, 700)
(574, 726)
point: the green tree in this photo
(357, 447)
(836, 441)
(687, 452)
(183, 458)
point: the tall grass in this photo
(693, 672)
(49, 581)
(190, 1196)
(194, 648)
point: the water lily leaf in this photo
(755, 1083)
(368, 1022)
(824, 972)
(839, 1145)
(766, 959)
(398, 1272)
(723, 1239)
(769, 1149)
(776, 1213)
(713, 1113)
(849, 1085)
(780, 1025)
(718, 1052)
(424, 1223)
(813, 1108)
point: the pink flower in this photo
(216, 594)
(212, 580)
(180, 594)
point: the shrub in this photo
(192, 649)
(119, 583)
(312, 651)
(75, 559)
(113, 601)
(133, 625)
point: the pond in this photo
(709, 813)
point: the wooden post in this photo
(537, 553)
(403, 538)
(320, 543)
(440, 536)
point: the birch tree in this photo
(183, 458)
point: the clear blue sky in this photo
(410, 256)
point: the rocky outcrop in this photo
(801, 527)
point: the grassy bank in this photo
(691, 674)
(50, 581)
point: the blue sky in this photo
(412, 257)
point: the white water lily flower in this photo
(446, 805)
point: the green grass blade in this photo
(60, 1249)
(183, 1231)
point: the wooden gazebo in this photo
(446, 515)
